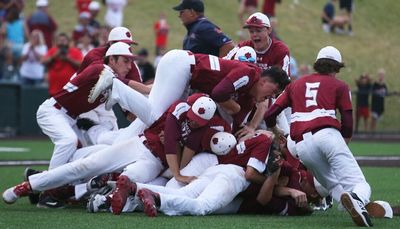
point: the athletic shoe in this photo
(12, 194)
(379, 209)
(105, 82)
(97, 182)
(47, 201)
(124, 188)
(355, 207)
(98, 203)
(150, 200)
(34, 196)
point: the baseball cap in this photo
(202, 110)
(94, 5)
(121, 34)
(330, 52)
(193, 97)
(196, 5)
(246, 54)
(120, 49)
(85, 14)
(42, 3)
(222, 142)
(257, 20)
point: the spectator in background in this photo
(82, 5)
(363, 91)
(32, 70)
(269, 7)
(304, 69)
(102, 37)
(62, 61)
(14, 30)
(293, 69)
(114, 16)
(202, 35)
(330, 22)
(145, 67)
(94, 9)
(346, 7)
(379, 92)
(245, 7)
(43, 21)
(85, 44)
(83, 28)
(161, 29)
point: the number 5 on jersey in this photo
(311, 94)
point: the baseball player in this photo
(222, 79)
(319, 140)
(146, 151)
(57, 115)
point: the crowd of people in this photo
(222, 128)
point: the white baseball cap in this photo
(330, 52)
(94, 5)
(120, 49)
(257, 20)
(42, 3)
(121, 34)
(202, 110)
(222, 142)
(246, 54)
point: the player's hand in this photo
(299, 197)
(282, 142)
(185, 179)
(245, 131)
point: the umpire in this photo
(202, 35)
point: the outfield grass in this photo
(24, 215)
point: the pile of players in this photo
(200, 142)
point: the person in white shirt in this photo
(32, 70)
(114, 16)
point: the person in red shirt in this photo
(161, 29)
(61, 61)
(319, 140)
(268, 7)
(82, 5)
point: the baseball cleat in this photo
(98, 203)
(124, 188)
(104, 82)
(14, 193)
(150, 200)
(34, 196)
(97, 182)
(47, 201)
(355, 207)
(379, 209)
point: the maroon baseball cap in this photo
(196, 5)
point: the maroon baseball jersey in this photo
(97, 55)
(177, 131)
(277, 54)
(252, 150)
(211, 73)
(74, 95)
(314, 100)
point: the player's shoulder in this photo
(93, 69)
(98, 52)
(278, 45)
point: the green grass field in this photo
(24, 215)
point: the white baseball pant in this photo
(171, 81)
(113, 158)
(56, 124)
(327, 156)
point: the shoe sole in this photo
(118, 201)
(96, 90)
(149, 208)
(359, 219)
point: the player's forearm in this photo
(139, 87)
(267, 189)
(173, 164)
(187, 156)
(224, 50)
(258, 115)
(254, 176)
